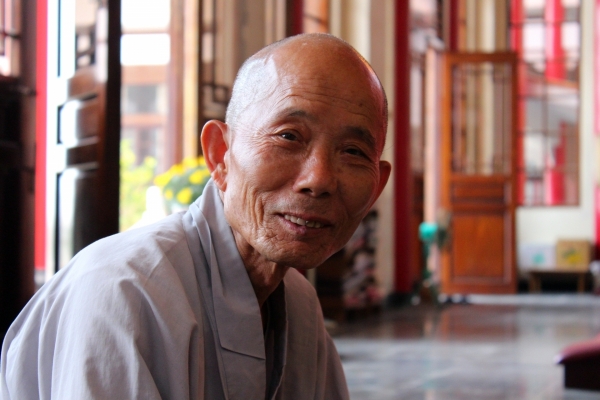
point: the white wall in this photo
(545, 225)
(350, 20)
(382, 60)
(368, 25)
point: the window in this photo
(424, 32)
(546, 36)
(10, 17)
(146, 149)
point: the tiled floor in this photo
(497, 347)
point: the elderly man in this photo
(208, 303)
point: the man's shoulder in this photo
(163, 235)
(143, 247)
(116, 276)
(123, 262)
(123, 302)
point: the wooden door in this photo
(83, 150)
(478, 172)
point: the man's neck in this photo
(264, 275)
(265, 279)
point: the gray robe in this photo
(168, 311)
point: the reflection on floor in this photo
(496, 347)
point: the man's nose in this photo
(318, 176)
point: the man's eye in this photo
(289, 136)
(355, 152)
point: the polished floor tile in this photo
(496, 347)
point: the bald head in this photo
(325, 59)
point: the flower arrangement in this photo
(183, 183)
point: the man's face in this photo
(303, 164)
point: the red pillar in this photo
(554, 16)
(597, 116)
(295, 17)
(517, 17)
(454, 23)
(40, 133)
(554, 177)
(597, 68)
(403, 195)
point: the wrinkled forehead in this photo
(337, 76)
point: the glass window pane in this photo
(534, 8)
(145, 14)
(482, 115)
(571, 9)
(571, 34)
(549, 95)
(534, 37)
(563, 108)
(534, 153)
(535, 114)
(416, 118)
(10, 30)
(140, 99)
(145, 49)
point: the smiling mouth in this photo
(302, 222)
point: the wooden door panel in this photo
(79, 120)
(83, 155)
(483, 257)
(478, 172)
(87, 118)
(84, 83)
(488, 192)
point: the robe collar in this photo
(229, 297)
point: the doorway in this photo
(478, 172)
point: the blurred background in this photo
(493, 137)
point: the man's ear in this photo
(385, 169)
(214, 139)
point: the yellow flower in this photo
(169, 194)
(176, 169)
(201, 161)
(185, 196)
(190, 162)
(199, 176)
(162, 179)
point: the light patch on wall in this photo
(145, 14)
(145, 49)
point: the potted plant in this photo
(183, 183)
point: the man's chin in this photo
(304, 265)
(304, 269)
(301, 256)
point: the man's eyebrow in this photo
(355, 131)
(295, 113)
(362, 134)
